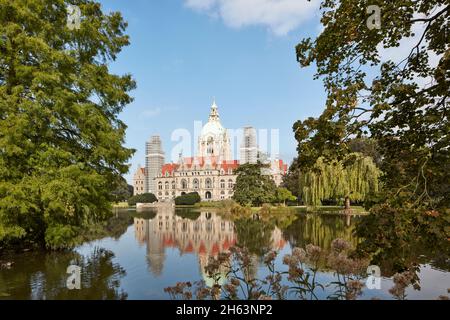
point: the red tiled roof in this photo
(202, 248)
(201, 162)
(215, 249)
(282, 166)
(189, 248)
(169, 168)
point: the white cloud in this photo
(151, 113)
(279, 16)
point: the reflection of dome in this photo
(209, 282)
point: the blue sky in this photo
(242, 52)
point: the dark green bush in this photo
(142, 198)
(188, 199)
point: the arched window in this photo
(196, 184)
(230, 184)
(222, 184)
(160, 186)
(210, 147)
(184, 184)
(173, 185)
(166, 185)
(208, 183)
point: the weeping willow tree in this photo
(352, 178)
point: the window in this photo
(160, 186)
(210, 148)
(230, 184)
(166, 186)
(196, 184)
(184, 184)
(173, 185)
(222, 184)
(208, 184)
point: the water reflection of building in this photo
(206, 236)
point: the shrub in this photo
(142, 198)
(188, 199)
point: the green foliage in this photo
(398, 238)
(253, 188)
(60, 236)
(142, 198)
(355, 177)
(122, 191)
(187, 213)
(282, 195)
(188, 199)
(291, 180)
(61, 141)
(402, 105)
(367, 147)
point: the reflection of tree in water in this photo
(255, 235)
(397, 240)
(43, 276)
(118, 224)
(187, 213)
(320, 230)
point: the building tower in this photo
(154, 161)
(249, 148)
(214, 140)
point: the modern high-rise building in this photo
(154, 161)
(249, 148)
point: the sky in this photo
(184, 53)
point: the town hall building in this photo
(211, 172)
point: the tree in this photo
(282, 195)
(356, 177)
(142, 198)
(367, 147)
(291, 180)
(122, 192)
(401, 104)
(252, 187)
(188, 199)
(61, 141)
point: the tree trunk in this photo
(347, 203)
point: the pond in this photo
(149, 251)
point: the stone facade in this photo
(139, 180)
(213, 180)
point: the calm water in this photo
(150, 251)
